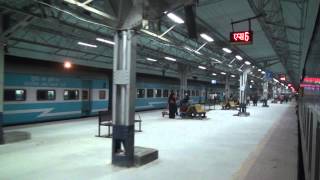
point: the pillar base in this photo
(242, 114)
(16, 136)
(143, 155)
(123, 146)
(265, 103)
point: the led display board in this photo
(241, 37)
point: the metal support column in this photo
(274, 91)
(242, 94)
(183, 71)
(124, 94)
(265, 94)
(227, 88)
(1, 81)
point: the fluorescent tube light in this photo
(105, 41)
(175, 18)
(247, 62)
(206, 37)
(150, 59)
(216, 60)
(170, 58)
(88, 45)
(226, 50)
(239, 57)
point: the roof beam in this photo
(285, 26)
(294, 1)
(20, 24)
(286, 41)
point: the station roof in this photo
(52, 30)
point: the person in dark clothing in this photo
(172, 105)
(255, 100)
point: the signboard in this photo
(241, 37)
(268, 75)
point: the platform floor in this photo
(223, 147)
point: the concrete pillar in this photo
(274, 91)
(183, 71)
(1, 80)
(265, 89)
(124, 94)
(242, 93)
(227, 87)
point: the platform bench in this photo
(105, 119)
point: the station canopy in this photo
(82, 32)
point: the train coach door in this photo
(86, 105)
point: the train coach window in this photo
(158, 92)
(14, 95)
(193, 93)
(71, 94)
(85, 94)
(140, 93)
(46, 95)
(102, 94)
(197, 92)
(166, 93)
(150, 93)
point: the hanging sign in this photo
(241, 37)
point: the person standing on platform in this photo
(248, 101)
(172, 101)
(255, 100)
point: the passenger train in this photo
(42, 91)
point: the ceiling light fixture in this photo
(223, 73)
(197, 52)
(170, 58)
(67, 64)
(202, 67)
(239, 57)
(226, 50)
(150, 59)
(247, 62)
(259, 70)
(206, 37)
(214, 74)
(175, 18)
(87, 44)
(105, 41)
